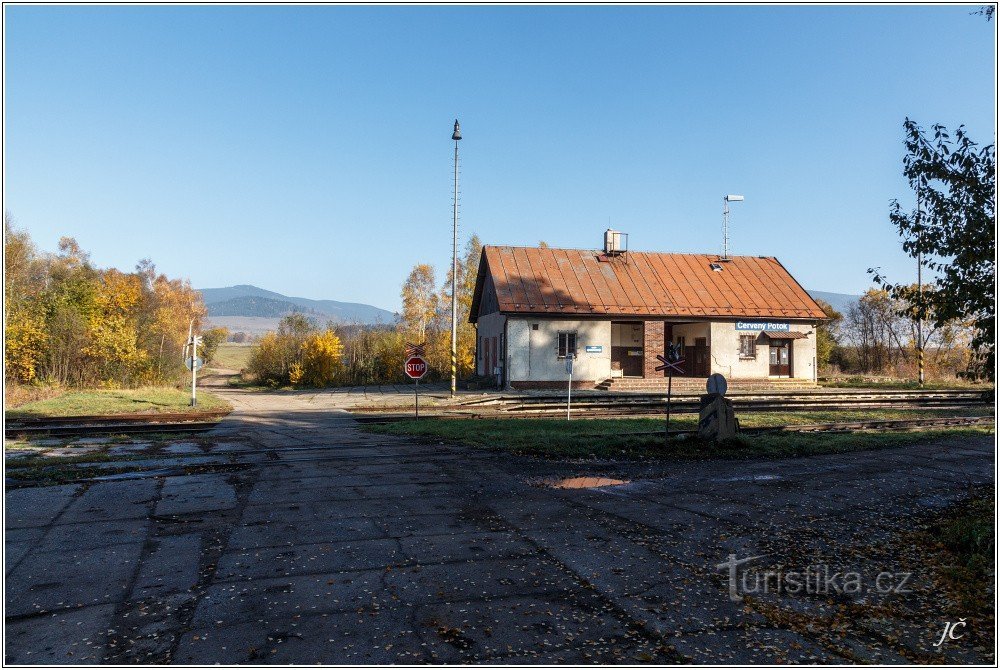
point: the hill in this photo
(245, 300)
(839, 301)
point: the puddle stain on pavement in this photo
(581, 482)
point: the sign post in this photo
(192, 362)
(671, 362)
(569, 388)
(415, 368)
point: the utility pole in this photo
(920, 300)
(457, 135)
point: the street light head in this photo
(734, 198)
(457, 135)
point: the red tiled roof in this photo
(574, 281)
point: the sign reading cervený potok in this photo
(762, 325)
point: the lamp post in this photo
(725, 223)
(456, 135)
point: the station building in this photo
(613, 311)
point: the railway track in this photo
(656, 404)
(233, 461)
(167, 422)
(625, 398)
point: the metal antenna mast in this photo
(457, 135)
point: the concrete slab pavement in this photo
(335, 546)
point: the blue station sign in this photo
(762, 325)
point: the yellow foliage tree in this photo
(114, 336)
(321, 359)
(25, 341)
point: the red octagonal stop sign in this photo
(415, 367)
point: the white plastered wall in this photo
(726, 359)
(532, 354)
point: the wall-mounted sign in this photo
(635, 352)
(762, 325)
(594, 348)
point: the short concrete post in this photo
(716, 420)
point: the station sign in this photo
(763, 325)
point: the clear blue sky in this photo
(307, 150)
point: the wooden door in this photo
(699, 357)
(780, 358)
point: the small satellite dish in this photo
(717, 384)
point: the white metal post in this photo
(194, 372)
(569, 387)
(193, 346)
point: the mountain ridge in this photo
(247, 300)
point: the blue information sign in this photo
(594, 348)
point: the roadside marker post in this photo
(415, 368)
(671, 362)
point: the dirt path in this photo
(331, 545)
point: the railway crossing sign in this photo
(416, 349)
(415, 367)
(671, 363)
(669, 366)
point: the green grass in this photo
(968, 534)
(231, 356)
(119, 401)
(612, 438)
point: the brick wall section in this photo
(652, 347)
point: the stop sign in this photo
(415, 367)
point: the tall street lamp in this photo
(456, 135)
(725, 223)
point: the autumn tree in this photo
(420, 302)
(25, 339)
(68, 322)
(210, 341)
(826, 333)
(953, 230)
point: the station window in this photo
(567, 344)
(748, 346)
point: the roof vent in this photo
(615, 242)
(715, 266)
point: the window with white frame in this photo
(567, 344)
(748, 347)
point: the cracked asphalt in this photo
(331, 545)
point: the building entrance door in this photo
(781, 358)
(699, 357)
(626, 348)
